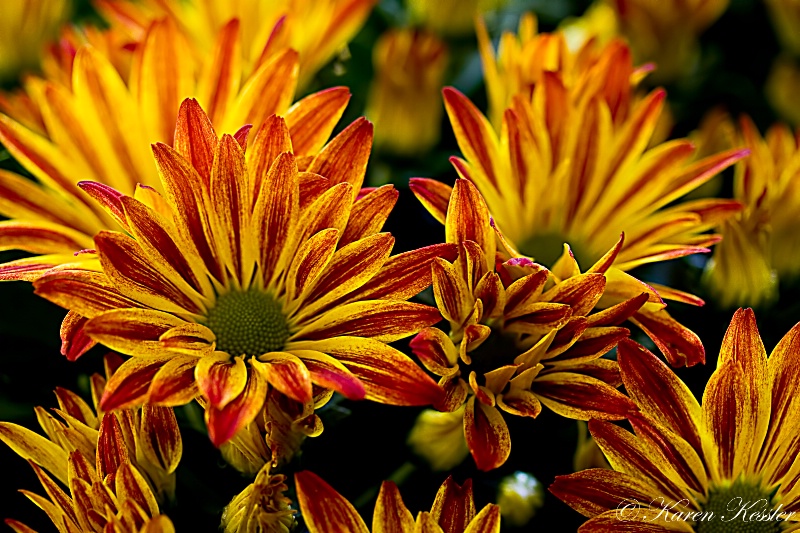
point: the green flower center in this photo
(546, 248)
(248, 323)
(741, 507)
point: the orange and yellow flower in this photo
(761, 244)
(316, 29)
(99, 125)
(249, 274)
(404, 100)
(570, 164)
(734, 456)
(520, 336)
(326, 511)
(666, 32)
(25, 27)
(119, 467)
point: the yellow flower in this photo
(782, 86)
(25, 27)
(449, 17)
(316, 29)
(570, 164)
(248, 274)
(100, 126)
(326, 511)
(666, 32)
(785, 15)
(520, 336)
(729, 464)
(128, 457)
(404, 101)
(761, 244)
(260, 507)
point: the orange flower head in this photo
(404, 99)
(761, 242)
(119, 467)
(520, 336)
(570, 164)
(316, 29)
(249, 274)
(729, 464)
(326, 511)
(97, 117)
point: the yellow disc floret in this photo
(248, 323)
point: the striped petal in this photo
(325, 510)
(487, 521)
(312, 119)
(581, 397)
(658, 392)
(130, 383)
(680, 345)
(220, 380)
(344, 159)
(391, 515)
(594, 491)
(33, 447)
(369, 213)
(384, 320)
(329, 373)
(287, 373)
(468, 220)
(350, 268)
(388, 375)
(487, 435)
(433, 194)
(132, 331)
(405, 275)
(174, 384)
(224, 423)
(454, 506)
(74, 340)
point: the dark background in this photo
(364, 443)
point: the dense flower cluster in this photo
(177, 180)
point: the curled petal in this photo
(224, 423)
(487, 435)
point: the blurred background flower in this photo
(26, 26)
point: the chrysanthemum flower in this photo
(99, 128)
(25, 27)
(261, 506)
(118, 466)
(316, 29)
(570, 165)
(449, 17)
(520, 336)
(248, 274)
(666, 31)
(326, 511)
(404, 101)
(760, 244)
(734, 456)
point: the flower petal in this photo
(132, 331)
(384, 320)
(287, 373)
(224, 423)
(581, 397)
(454, 506)
(129, 384)
(369, 213)
(391, 515)
(344, 159)
(220, 380)
(327, 372)
(388, 375)
(312, 119)
(487, 435)
(325, 510)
